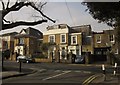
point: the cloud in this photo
(58, 11)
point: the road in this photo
(55, 73)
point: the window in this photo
(98, 39)
(21, 40)
(51, 38)
(74, 40)
(98, 53)
(111, 38)
(116, 51)
(63, 38)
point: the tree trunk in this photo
(117, 34)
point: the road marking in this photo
(87, 72)
(41, 70)
(57, 70)
(38, 70)
(65, 72)
(88, 80)
(77, 71)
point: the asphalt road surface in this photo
(54, 73)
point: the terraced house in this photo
(104, 42)
(66, 44)
(65, 39)
(27, 42)
(7, 44)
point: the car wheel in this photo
(27, 61)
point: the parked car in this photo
(25, 59)
(79, 59)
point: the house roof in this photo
(8, 34)
(30, 32)
(58, 26)
(98, 32)
(81, 29)
(23, 35)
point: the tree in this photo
(45, 47)
(107, 12)
(104, 11)
(7, 8)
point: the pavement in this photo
(8, 73)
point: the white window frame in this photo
(97, 39)
(112, 37)
(116, 51)
(72, 39)
(49, 38)
(61, 38)
(21, 41)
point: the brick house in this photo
(66, 39)
(81, 41)
(103, 42)
(7, 44)
(27, 42)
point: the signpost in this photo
(20, 65)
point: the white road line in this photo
(77, 71)
(41, 70)
(57, 70)
(56, 75)
(86, 82)
(86, 72)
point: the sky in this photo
(71, 13)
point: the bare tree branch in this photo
(8, 4)
(6, 21)
(33, 6)
(3, 5)
(7, 26)
(43, 4)
(16, 7)
(19, 5)
(40, 5)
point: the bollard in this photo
(115, 69)
(103, 69)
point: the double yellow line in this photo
(89, 80)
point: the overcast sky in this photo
(71, 13)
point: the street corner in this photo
(9, 74)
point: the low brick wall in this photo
(42, 60)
